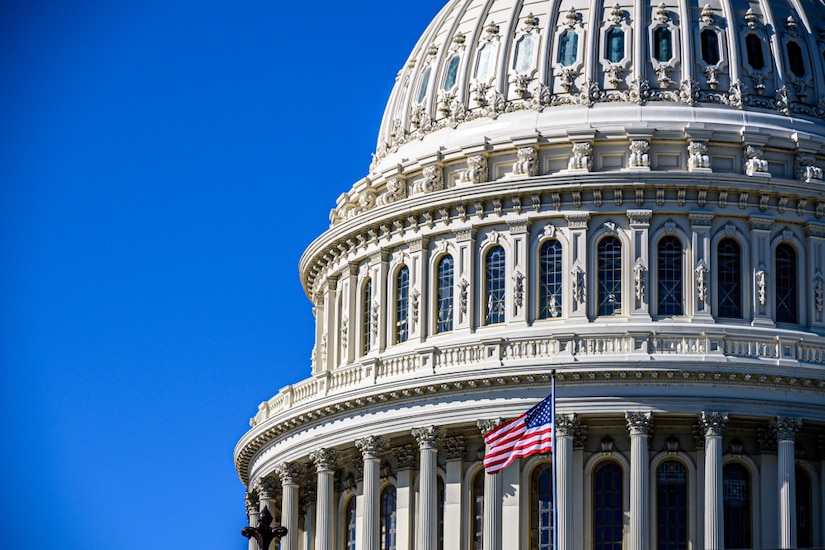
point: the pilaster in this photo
(405, 462)
(577, 227)
(520, 279)
(453, 502)
(761, 263)
(419, 288)
(701, 264)
(640, 262)
(464, 307)
(815, 243)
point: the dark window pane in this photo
(444, 323)
(494, 286)
(541, 507)
(804, 510)
(662, 44)
(753, 45)
(710, 47)
(795, 59)
(615, 45)
(550, 272)
(402, 285)
(736, 501)
(669, 276)
(387, 521)
(608, 510)
(610, 276)
(786, 284)
(729, 260)
(568, 48)
(366, 320)
(671, 506)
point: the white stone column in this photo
(453, 502)
(426, 530)
(324, 460)
(371, 448)
(289, 472)
(493, 489)
(701, 264)
(252, 511)
(579, 438)
(566, 426)
(713, 426)
(404, 498)
(762, 269)
(768, 488)
(577, 226)
(786, 429)
(638, 424)
(267, 488)
(640, 258)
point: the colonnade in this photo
(416, 525)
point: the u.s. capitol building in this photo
(630, 194)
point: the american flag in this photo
(525, 435)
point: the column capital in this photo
(489, 424)
(454, 447)
(713, 423)
(252, 503)
(567, 425)
(289, 472)
(786, 427)
(371, 446)
(266, 487)
(428, 436)
(324, 459)
(405, 457)
(638, 422)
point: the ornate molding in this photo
(324, 459)
(638, 423)
(786, 427)
(428, 436)
(486, 425)
(454, 447)
(405, 456)
(289, 472)
(713, 423)
(371, 446)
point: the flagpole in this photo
(553, 459)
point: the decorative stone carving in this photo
(454, 447)
(518, 288)
(476, 171)
(396, 190)
(463, 285)
(639, 273)
(374, 316)
(428, 436)
(805, 169)
(405, 457)
(324, 459)
(252, 503)
(567, 424)
(526, 164)
(289, 472)
(607, 445)
(266, 487)
(344, 333)
(414, 297)
(819, 292)
(786, 428)
(639, 154)
(371, 446)
(698, 159)
(754, 164)
(766, 438)
(582, 157)
(432, 180)
(578, 284)
(761, 287)
(672, 444)
(638, 422)
(487, 425)
(701, 273)
(713, 423)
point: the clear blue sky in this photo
(163, 164)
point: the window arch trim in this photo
(693, 489)
(589, 469)
(753, 471)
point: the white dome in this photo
(608, 68)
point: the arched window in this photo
(710, 46)
(494, 286)
(671, 506)
(477, 500)
(541, 507)
(608, 510)
(441, 492)
(785, 284)
(387, 520)
(736, 502)
(350, 518)
(402, 296)
(669, 276)
(662, 44)
(568, 48)
(753, 46)
(804, 510)
(550, 270)
(452, 73)
(795, 58)
(729, 260)
(444, 323)
(366, 317)
(610, 276)
(614, 50)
